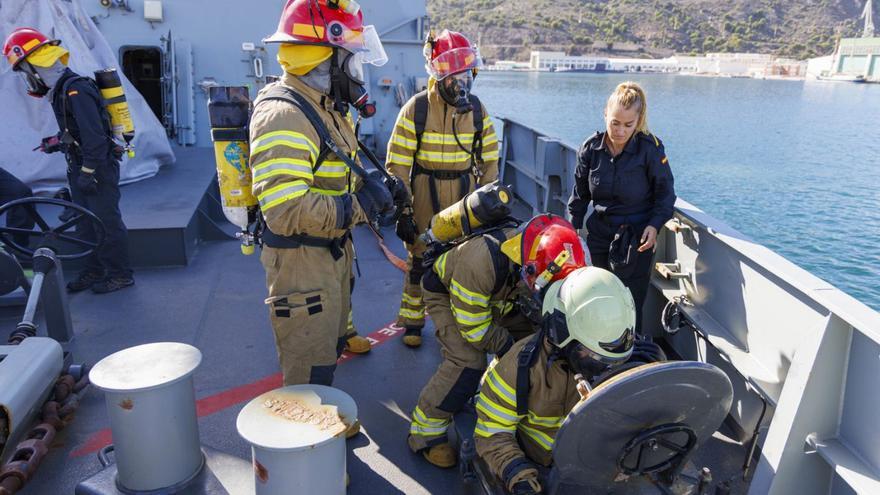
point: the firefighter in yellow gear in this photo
(443, 146)
(588, 326)
(472, 293)
(303, 149)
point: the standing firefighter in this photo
(86, 138)
(443, 146)
(473, 293)
(303, 148)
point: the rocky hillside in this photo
(509, 29)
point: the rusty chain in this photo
(57, 413)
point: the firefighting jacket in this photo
(438, 152)
(295, 198)
(552, 395)
(483, 286)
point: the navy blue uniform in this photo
(634, 188)
(85, 128)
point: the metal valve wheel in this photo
(57, 237)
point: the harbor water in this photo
(794, 165)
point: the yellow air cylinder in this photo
(117, 106)
(228, 113)
(487, 205)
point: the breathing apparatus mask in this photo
(36, 86)
(456, 89)
(348, 83)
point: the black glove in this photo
(49, 144)
(406, 228)
(577, 222)
(87, 183)
(647, 351)
(374, 198)
(343, 211)
(399, 192)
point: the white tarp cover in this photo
(25, 120)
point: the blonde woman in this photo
(625, 173)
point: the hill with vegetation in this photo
(509, 29)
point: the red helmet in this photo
(22, 42)
(330, 23)
(450, 53)
(548, 249)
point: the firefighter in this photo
(475, 294)
(303, 149)
(86, 138)
(588, 326)
(442, 147)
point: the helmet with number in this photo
(332, 24)
(33, 46)
(590, 316)
(450, 53)
(548, 249)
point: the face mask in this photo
(36, 86)
(348, 82)
(456, 89)
(581, 360)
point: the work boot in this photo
(441, 455)
(353, 430)
(357, 344)
(84, 281)
(412, 337)
(111, 284)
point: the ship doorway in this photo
(142, 65)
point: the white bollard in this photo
(297, 435)
(152, 408)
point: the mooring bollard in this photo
(297, 435)
(152, 408)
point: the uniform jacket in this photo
(483, 286)
(637, 184)
(294, 198)
(87, 121)
(552, 395)
(439, 151)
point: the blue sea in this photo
(794, 165)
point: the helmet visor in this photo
(365, 43)
(588, 362)
(454, 61)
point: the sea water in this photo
(794, 165)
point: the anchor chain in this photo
(57, 413)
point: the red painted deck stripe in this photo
(228, 398)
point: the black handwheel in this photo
(658, 449)
(53, 237)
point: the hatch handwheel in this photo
(55, 238)
(672, 442)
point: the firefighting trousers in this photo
(456, 379)
(412, 306)
(309, 306)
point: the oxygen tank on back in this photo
(487, 205)
(117, 106)
(228, 112)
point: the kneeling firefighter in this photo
(88, 124)
(303, 150)
(588, 326)
(443, 146)
(472, 292)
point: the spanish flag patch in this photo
(664, 161)
(72, 92)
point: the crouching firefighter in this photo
(86, 137)
(587, 328)
(443, 146)
(472, 293)
(303, 150)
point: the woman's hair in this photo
(627, 95)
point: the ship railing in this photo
(803, 355)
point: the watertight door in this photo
(177, 87)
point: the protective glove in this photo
(406, 228)
(521, 477)
(344, 211)
(87, 183)
(374, 198)
(577, 222)
(50, 144)
(398, 190)
(647, 351)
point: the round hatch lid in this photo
(296, 417)
(145, 367)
